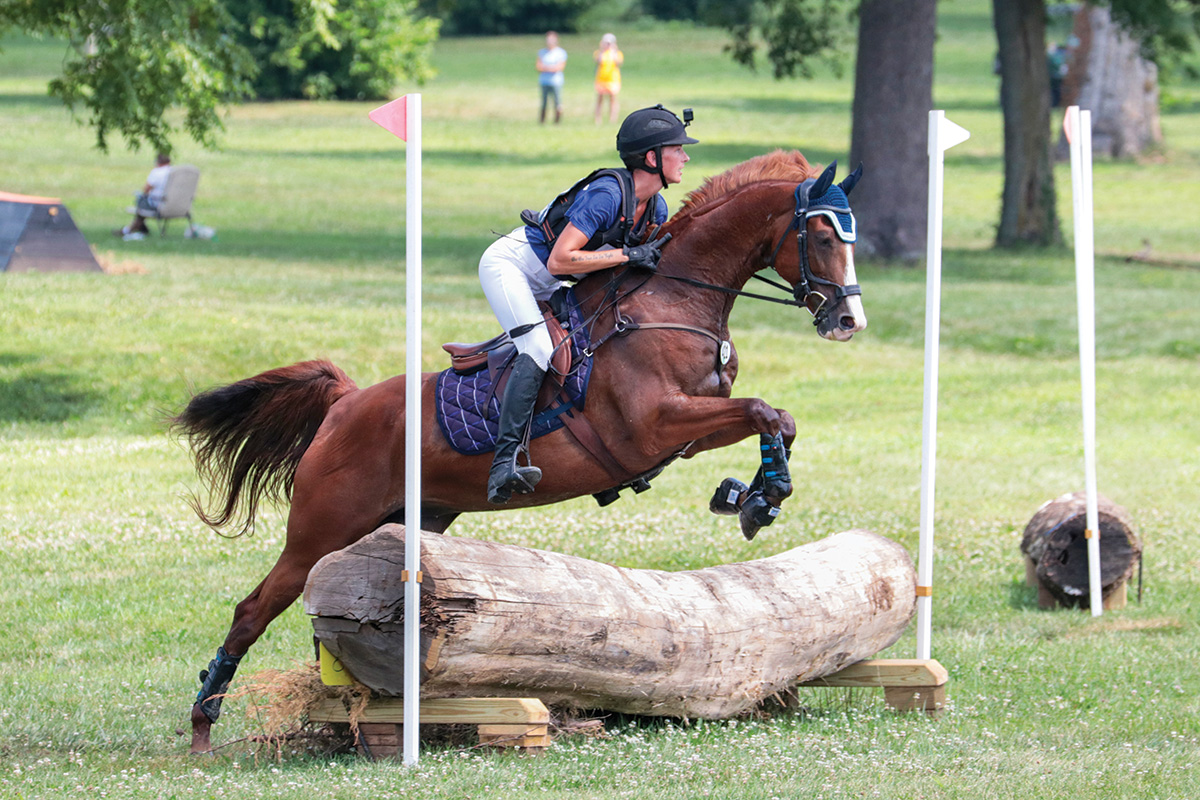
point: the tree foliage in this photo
(485, 17)
(794, 33)
(1165, 28)
(321, 49)
(131, 63)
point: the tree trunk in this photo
(1109, 77)
(499, 620)
(893, 93)
(1055, 544)
(1027, 214)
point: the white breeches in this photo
(513, 280)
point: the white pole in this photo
(412, 428)
(943, 134)
(1078, 126)
(402, 117)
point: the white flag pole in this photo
(412, 428)
(943, 134)
(402, 117)
(1078, 127)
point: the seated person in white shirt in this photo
(150, 196)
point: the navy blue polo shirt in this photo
(597, 207)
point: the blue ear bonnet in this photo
(835, 206)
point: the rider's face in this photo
(674, 158)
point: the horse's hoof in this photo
(725, 499)
(201, 732)
(756, 514)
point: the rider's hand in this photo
(647, 255)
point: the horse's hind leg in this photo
(269, 599)
(319, 523)
(278, 590)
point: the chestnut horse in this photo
(662, 374)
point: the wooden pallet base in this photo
(511, 722)
(909, 684)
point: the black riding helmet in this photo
(651, 129)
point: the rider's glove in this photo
(647, 255)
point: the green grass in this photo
(114, 595)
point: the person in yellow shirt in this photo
(608, 76)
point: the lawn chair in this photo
(177, 198)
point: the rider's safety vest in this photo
(553, 219)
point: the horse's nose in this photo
(847, 322)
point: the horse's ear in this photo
(851, 180)
(824, 182)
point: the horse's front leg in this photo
(756, 505)
(711, 423)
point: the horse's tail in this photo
(247, 438)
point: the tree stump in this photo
(505, 621)
(1055, 548)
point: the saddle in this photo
(468, 394)
(497, 353)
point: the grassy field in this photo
(115, 595)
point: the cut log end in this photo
(1055, 544)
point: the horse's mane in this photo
(779, 165)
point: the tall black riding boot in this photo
(516, 408)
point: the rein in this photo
(741, 292)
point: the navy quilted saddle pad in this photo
(468, 410)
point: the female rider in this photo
(521, 268)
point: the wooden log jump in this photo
(506, 621)
(1055, 549)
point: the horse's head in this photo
(822, 277)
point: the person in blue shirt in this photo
(523, 267)
(551, 61)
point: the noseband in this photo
(803, 290)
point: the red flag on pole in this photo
(393, 117)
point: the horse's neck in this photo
(726, 245)
(720, 244)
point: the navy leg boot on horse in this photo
(757, 505)
(214, 682)
(516, 409)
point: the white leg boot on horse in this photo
(516, 409)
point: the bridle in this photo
(804, 290)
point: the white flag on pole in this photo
(943, 134)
